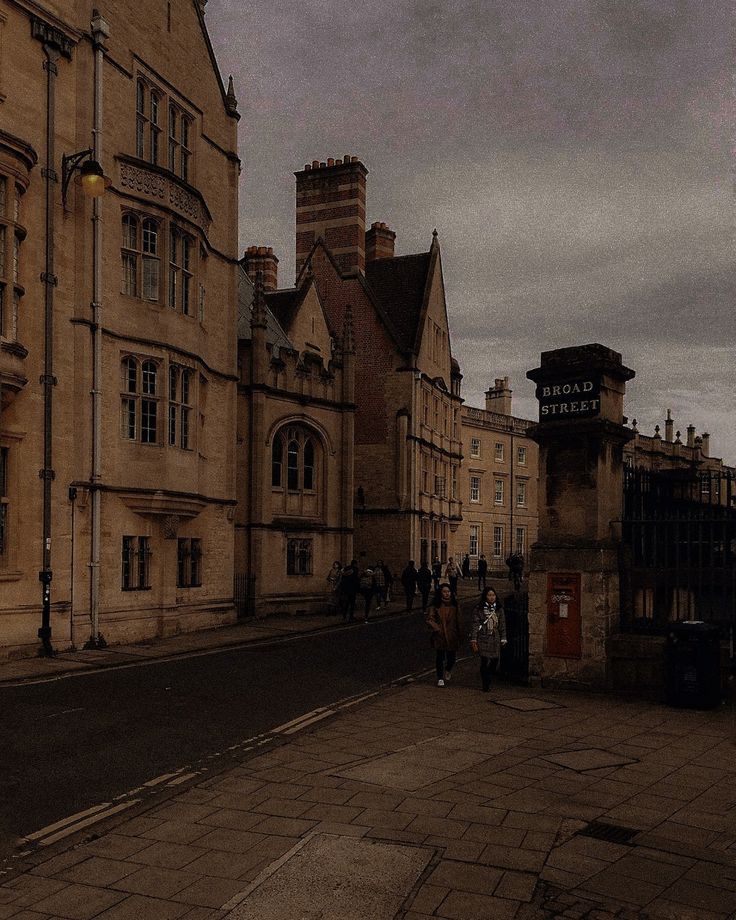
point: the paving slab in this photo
(332, 878)
(587, 759)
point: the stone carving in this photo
(171, 526)
(140, 180)
(161, 189)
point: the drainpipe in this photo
(47, 378)
(100, 31)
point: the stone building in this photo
(670, 452)
(407, 384)
(498, 481)
(295, 442)
(117, 324)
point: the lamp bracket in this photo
(69, 165)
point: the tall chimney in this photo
(330, 203)
(669, 427)
(498, 397)
(379, 242)
(261, 259)
(691, 435)
(705, 446)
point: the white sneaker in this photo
(448, 675)
(440, 683)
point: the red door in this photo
(563, 615)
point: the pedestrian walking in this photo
(443, 619)
(437, 573)
(424, 583)
(388, 575)
(367, 590)
(482, 572)
(488, 635)
(452, 573)
(349, 587)
(379, 583)
(333, 579)
(515, 562)
(409, 581)
(466, 566)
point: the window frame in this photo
(475, 448)
(498, 492)
(135, 561)
(475, 489)
(299, 557)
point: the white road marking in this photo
(316, 718)
(182, 779)
(281, 729)
(45, 836)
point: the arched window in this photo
(308, 476)
(292, 464)
(130, 253)
(150, 259)
(129, 399)
(173, 402)
(149, 403)
(140, 118)
(301, 450)
(155, 127)
(277, 451)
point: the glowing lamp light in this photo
(92, 178)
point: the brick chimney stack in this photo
(330, 203)
(261, 259)
(705, 445)
(498, 397)
(379, 242)
(691, 435)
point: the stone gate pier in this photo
(574, 567)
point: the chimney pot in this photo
(315, 164)
(260, 262)
(307, 166)
(330, 161)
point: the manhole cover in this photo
(588, 759)
(333, 878)
(527, 705)
(614, 833)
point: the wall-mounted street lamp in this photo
(92, 177)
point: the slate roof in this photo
(275, 335)
(284, 305)
(398, 287)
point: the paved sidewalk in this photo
(420, 802)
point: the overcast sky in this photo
(574, 156)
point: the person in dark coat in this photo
(409, 581)
(367, 590)
(466, 566)
(443, 619)
(379, 583)
(437, 573)
(349, 587)
(424, 583)
(482, 572)
(488, 635)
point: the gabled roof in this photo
(398, 286)
(285, 304)
(275, 335)
(228, 100)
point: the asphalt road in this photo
(79, 741)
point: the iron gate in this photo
(679, 548)
(514, 661)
